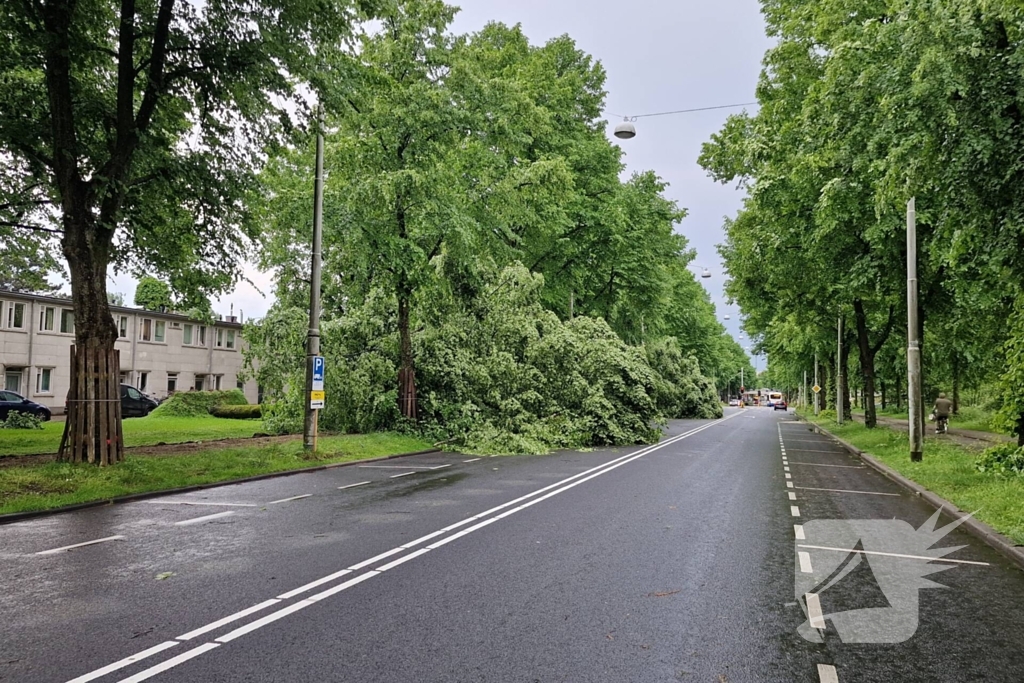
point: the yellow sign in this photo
(317, 395)
(816, 389)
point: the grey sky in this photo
(660, 55)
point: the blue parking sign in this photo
(318, 373)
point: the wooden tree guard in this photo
(92, 432)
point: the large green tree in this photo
(138, 126)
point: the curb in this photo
(983, 531)
(12, 517)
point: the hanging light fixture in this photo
(625, 130)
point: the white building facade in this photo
(161, 353)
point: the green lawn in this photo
(947, 470)
(970, 417)
(40, 487)
(138, 431)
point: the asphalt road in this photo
(679, 562)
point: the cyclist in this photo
(942, 410)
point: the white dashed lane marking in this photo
(352, 486)
(805, 562)
(288, 500)
(798, 531)
(205, 518)
(54, 551)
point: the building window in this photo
(124, 378)
(143, 381)
(186, 335)
(239, 384)
(231, 339)
(12, 380)
(216, 381)
(43, 377)
(220, 338)
(201, 335)
(16, 316)
(160, 331)
(46, 317)
(172, 382)
(146, 331)
(122, 327)
(200, 383)
(67, 321)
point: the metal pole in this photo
(313, 339)
(817, 395)
(572, 304)
(803, 396)
(916, 420)
(839, 375)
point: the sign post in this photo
(316, 394)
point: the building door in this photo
(200, 384)
(12, 381)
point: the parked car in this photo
(134, 403)
(734, 402)
(14, 402)
(781, 405)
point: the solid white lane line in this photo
(907, 557)
(845, 467)
(342, 587)
(260, 623)
(827, 674)
(54, 551)
(400, 560)
(789, 484)
(473, 460)
(792, 496)
(228, 619)
(805, 562)
(866, 493)
(593, 472)
(200, 503)
(206, 518)
(395, 467)
(313, 584)
(352, 486)
(169, 664)
(120, 664)
(288, 500)
(814, 614)
(794, 510)
(403, 474)
(798, 531)
(439, 467)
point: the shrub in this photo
(198, 403)
(19, 420)
(246, 412)
(1005, 460)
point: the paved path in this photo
(674, 563)
(965, 437)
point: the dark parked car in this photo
(134, 403)
(781, 405)
(13, 402)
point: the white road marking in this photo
(792, 496)
(403, 474)
(313, 584)
(798, 531)
(395, 563)
(206, 518)
(352, 486)
(228, 619)
(814, 614)
(794, 510)
(805, 562)
(440, 467)
(815, 464)
(579, 479)
(54, 551)
(788, 475)
(867, 493)
(260, 623)
(288, 500)
(817, 441)
(785, 469)
(806, 450)
(473, 460)
(122, 663)
(201, 503)
(789, 484)
(907, 557)
(396, 467)
(827, 674)
(169, 664)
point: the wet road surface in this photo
(691, 560)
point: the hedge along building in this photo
(161, 352)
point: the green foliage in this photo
(198, 403)
(237, 412)
(681, 390)
(1003, 460)
(1012, 410)
(151, 294)
(19, 420)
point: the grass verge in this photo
(947, 470)
(42, 487)
(138, 431)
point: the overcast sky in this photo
(660, 55)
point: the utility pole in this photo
(916, 419)
(840, 404)
(313, 338)
(817, 394)
(803, 396)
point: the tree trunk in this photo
(1020, 431)
(867, 365)
(956, 383)
(844, 388)
(884, 402)
(92, 430)
(407, 371)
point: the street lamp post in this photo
(309, 427)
